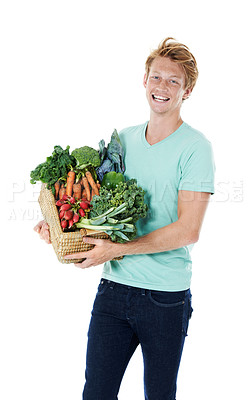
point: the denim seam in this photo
(170, 305)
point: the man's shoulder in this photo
(194, 135)
(134, 129)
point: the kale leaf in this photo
(111, 156)
(127, 192)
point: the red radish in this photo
(65, 197)
(68, 214)
(84, 205)
(86, 201)
(61, 214)
(64, 224)
(72, 200)
(65, 207)
(59, 203)
(76, 218)
(70, 223)
(82, 212)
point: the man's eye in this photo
(175, 82)
(155, 77)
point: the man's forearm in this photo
(170, 237)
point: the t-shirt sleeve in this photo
(197, 168)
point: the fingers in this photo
(45, 234)
(92, 240)
(85, 254)
(75, 255)
(84, 264)
(37, 228)
(42, 229)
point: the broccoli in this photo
(86, 156)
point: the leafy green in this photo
(111, 156)
(115, 152)
(54, 168)
(128, 192)
(127, 195)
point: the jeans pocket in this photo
(102, 287)
(166, 299)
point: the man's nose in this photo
(164, 84)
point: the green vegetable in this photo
(54, 168)
(87, 159)
(86, 156)
(115, 228)
(111, 156)
(112, 179)
(127, 192)
(128, 199)
(115, 152)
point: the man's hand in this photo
(104, 250)
(43, 230)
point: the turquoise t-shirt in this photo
(181, 161)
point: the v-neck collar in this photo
(149, 146)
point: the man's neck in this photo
(160, 127)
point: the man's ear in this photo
(187, 93)
(145, 80)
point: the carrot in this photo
(70, 182)
(62, 191)
(84, 194)
(86, 187)
(92, 183)
(77, 191)
(57, 188)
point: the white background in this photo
(71, 72)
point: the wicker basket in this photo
(64, 242)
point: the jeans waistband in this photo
(143, 291)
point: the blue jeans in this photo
(124, 317)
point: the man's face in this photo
(165, 86)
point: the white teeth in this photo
(160, 98)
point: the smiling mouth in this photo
(161, 99)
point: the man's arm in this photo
(191, 210)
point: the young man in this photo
(145, 297)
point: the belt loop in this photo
(111, 285)
(143, 292)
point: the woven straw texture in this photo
(64, 242)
